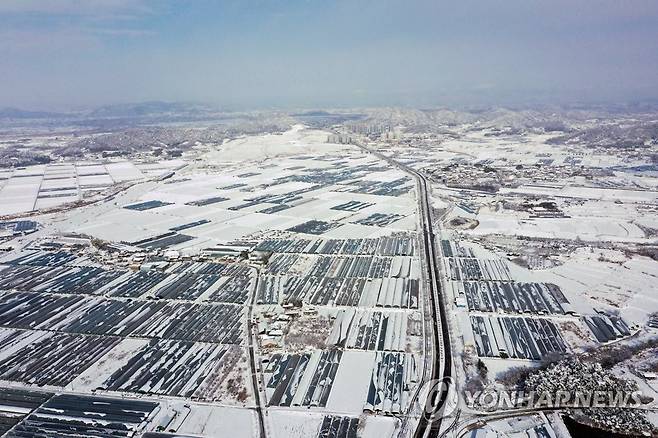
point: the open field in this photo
(39, 187)
(278, 282)
(152, 297)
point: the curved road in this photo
(430, 425)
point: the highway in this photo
(252, 360)
(430, 425)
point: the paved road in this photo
(429, 426)
(252, 360)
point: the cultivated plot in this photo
(516, 338)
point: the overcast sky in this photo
(313, 53)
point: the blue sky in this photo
(263, 54)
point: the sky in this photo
(239, 54)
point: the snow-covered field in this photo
(238, 216)
(40, 187)
(562, 215)
(355, 214)
(332, 231)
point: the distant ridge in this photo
(16, 113)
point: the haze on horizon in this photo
(75, 53)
